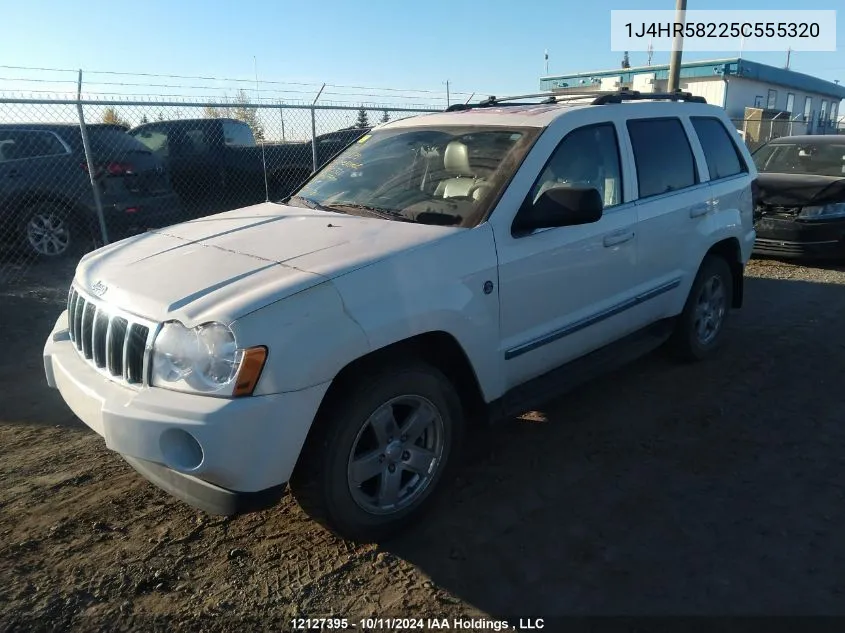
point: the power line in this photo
(223, 79)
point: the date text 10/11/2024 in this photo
(420, 624)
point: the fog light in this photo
(180, 449)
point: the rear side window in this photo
(105, 140)
(238, 134)
(20, 144)
(153, 137)
(720, 151)
(662, 155)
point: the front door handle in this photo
(620, 237)
(698, 210)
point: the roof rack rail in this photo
(550, 98)
(598, 98)
(625, 94)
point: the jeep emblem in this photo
(99, 288)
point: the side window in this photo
(662, 155)
(238, 134)
(155, 138)
(587, 157)
(187, 140)
(20, 144)
(722, 157)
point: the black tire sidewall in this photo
(343, 427)
(687, 337)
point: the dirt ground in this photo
(715, 488)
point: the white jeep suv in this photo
(447, 267)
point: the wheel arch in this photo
(437, 348)
(730, 250)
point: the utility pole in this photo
(448, 103)
(788, 56)
(677, 48)
(547, 62)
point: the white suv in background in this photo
(443, 268)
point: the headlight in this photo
(205, 359)
(823, 212)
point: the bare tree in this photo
(248, 115)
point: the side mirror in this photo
(560, 206)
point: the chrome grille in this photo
(115, 343)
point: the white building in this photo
(805, 104)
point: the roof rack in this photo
(633, 95)
(598, 98)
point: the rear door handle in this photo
(619, 237)
(698, 210)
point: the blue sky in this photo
(486, 46)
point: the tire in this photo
(700, 326)
(344, 479)
(51, 231)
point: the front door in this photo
(564, 291)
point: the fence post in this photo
(314, 129)
(89, 161)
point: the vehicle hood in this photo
(798, 190)
(227, 265)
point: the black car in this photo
(800, 201)
(46, 198)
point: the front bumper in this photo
(786, 237)
(248, 447)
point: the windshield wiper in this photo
(384, 214)
(310, 203)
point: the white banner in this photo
(724, 31)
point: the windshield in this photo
(822, 159)
(432, 175)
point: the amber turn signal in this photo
(250, 370)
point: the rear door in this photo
(244, 163)
(37, 169)
(728, 173)
(196, 170)
(672, 200)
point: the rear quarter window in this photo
(105, 141)
(720, 150)
(662, 155)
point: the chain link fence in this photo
(759, 131)
(77, 174)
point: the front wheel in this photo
(379, 451)
(701, 324)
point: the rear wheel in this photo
(379, 451)
(701, 324)
(52, 231)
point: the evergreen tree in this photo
(385, 117)
(363, 120)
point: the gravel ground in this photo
(715, 488)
